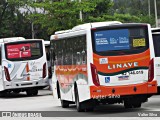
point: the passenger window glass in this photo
(70, 51)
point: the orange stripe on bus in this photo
(142, 59)
(27, 70)
(67, 73)
(106, 91)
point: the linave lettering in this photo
(122, 65)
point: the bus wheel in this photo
(3, 93)
(16, 91)
(64, 104)
(90, 109)
(31, 92)
(137, 105)
(35, 92)
(127, 104)
(78, 104)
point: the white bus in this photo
(156, 60)
(47, 43)
(104, 62)
(47, 49)
(23, 65)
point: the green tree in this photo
(12, 21)
(17, 16)
(138, 8)
(60, 15)
(65, 14)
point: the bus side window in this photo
(78, 62)
(84, 57)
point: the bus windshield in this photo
(126, 40)
(156, 42)
(27, 50)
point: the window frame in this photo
(69, 42)
(25, 58)
(125, 51)
(155, 48)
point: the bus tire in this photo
(16, 91)
(79, 105)
(137, 105)
(64, 104)
(31, 92)
(90, 109)
(35, 92)
(127, 104)
(58, 90)
(3, 93)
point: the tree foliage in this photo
(12, 21)
(48, 16)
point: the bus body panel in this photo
(151, 43)
(83, 92)
(122, 70)
(157, 70)
(1, 80)
(123, 90)
(23, 73)
(72, 68)
(122, 75)
(156, 50)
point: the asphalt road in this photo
(45, 104)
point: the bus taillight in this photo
(7, 74)
(95, 77)
(93, 28)
(151, 71)
(44, 70)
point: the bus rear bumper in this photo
(125, 90)
(25, 84)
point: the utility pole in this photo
(155, 8)
(149, 8)
(32, 26)
(80, 13)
